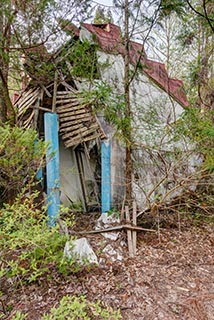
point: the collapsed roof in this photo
(52, 92)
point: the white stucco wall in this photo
(157, 157)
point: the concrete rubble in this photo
(106, 221)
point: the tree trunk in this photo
(128, 127)
(7, 112)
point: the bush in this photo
(199, 130)
(74, 308)
(29, 248)
(21, 156)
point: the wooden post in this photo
(82, 181)
(54, 92)
(129, 233)
(134, 233)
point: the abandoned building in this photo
(91, 153)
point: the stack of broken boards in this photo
(77, 120)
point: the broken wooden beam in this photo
(117, 228)
(54, 92)
(129, 233)
(134, 222)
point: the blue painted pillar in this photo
(106, 175)
(52, 166)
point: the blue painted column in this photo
(106, 175)
(52, 166)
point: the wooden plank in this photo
(26, 123)
(80, 131)
(96, 187)
(82, 180)
(61, 98)
(117, 228)
(41, 118)
(70, 123)
(80, 140)
(28, 100)
(134, 223)
(27, 105)
(74, 130)
(67, 93)
(72, 108)
(72, 103)
(69, 66)
(69, 129)
(65, 100)
(72, 113)
(46, 90)
(75, 133)
(54, 92)
(81, 116)
(25, 95)
(129, 233)
(66, 97)
(36, 114)
(64, 92)
(122, 215)
(68, 86)
(40, 108)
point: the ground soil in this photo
(171, 277)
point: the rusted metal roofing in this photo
(109, 38)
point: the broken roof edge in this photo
(108, 37)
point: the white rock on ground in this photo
(82, 250)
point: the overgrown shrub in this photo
(199, 130)
(29, 248)
(74, 308)
(21, 156)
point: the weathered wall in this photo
(160, 161)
